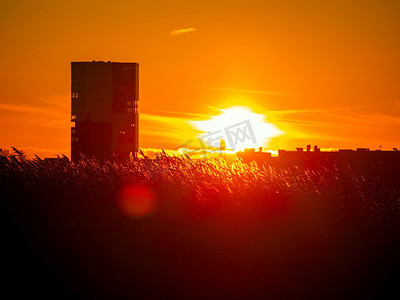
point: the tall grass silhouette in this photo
(214, 230)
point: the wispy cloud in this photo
(182, 30)
(171, 126)
(339, 109)
(367, 125)
(47, 107)
(241, 91)
(21, 108)
(47, 112)
(177, 114)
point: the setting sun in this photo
(239, 127)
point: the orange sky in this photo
(324, 72)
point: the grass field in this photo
(176, 228)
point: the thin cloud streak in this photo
(21, 108)
(320, 110)
(256, 92)
(333, 118)
(177, 114)
(158, 118)
(182, 30)
(52, 107)
(52, 115)
(339, 126)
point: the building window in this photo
(129, 110)
(74, 117)
(74, 95)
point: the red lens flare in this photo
(136, 201)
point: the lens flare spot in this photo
(136, 201)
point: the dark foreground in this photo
(213, 232)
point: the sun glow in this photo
(239, 127)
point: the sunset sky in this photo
(322, 72)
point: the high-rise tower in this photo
(104, 102)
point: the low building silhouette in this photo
(372, 162)
(104, 102)
(249, 155)
(378, 163)
(362, 155)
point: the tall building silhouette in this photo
(104, 107)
